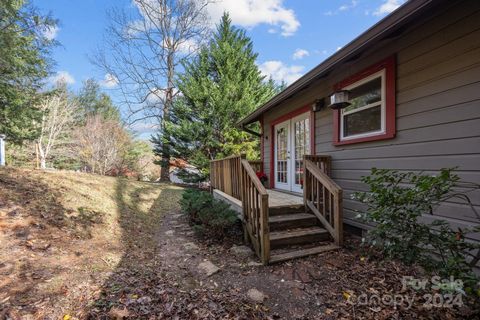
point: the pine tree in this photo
(219, 87)
(93, 102)
(24, 63)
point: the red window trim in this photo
(389, 65)
(285, 117)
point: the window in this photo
(371, 113)
(366, 114)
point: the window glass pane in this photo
(364, 94)
(364, 121)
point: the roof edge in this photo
(382, 27)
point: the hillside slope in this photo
(63, 233)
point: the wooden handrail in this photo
(225, 175)
(257, 165)
(235, 176)
(228, 158)
(255, 211)
(331, 185)
(324, 198)
(324, 162)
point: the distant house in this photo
(413, 83)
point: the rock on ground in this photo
(255, 295)
(190, 246)
(208, 268)
(241, 251)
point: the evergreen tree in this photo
(24, 63)
(221, 85)
(93, 102)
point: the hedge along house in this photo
(413, 83)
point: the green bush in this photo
(396, 203)
(209, 216)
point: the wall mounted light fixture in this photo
(339, 100)
(318, 105)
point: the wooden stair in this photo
(296, 234)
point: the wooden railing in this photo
(323, 196)
(225, 175)
(255, 211)
(237, 177)
(321, 161)
(257, 165)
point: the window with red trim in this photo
(371, 113)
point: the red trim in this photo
(262, 141)
(285, 117)
(389, 65)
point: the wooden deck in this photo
(281, 225)
(277, 198)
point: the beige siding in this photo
(438, 109)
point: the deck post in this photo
(265, 230)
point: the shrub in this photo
(210, 217)
(396, 203)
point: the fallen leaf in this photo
(118, 313)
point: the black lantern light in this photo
(318, 105)
(339, 100)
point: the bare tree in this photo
(57, 115)
(142, 52)
(101, 144)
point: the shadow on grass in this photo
(138, 280)
(33, 223)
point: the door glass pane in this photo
(282, 136)
(302, 147)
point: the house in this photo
(413, 82)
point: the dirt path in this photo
(238, 272)
(241, 288)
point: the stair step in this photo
(290, 221)
(301, 253)
(297, 236)
(281, 210)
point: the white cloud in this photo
(279, 72)
(344, 7)
(250, 13)
(188, 46)
(300, 54)
(51, 33)
(144, 127)
(348, 6)
(109, 81)
(62, 76)
(156, 96)
(388, 6)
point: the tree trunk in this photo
(165, 167)
(43, 163)
(43, 158)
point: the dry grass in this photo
(62, 234)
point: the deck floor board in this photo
(280, 199)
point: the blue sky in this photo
(290, 36)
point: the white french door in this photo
(292, 142)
